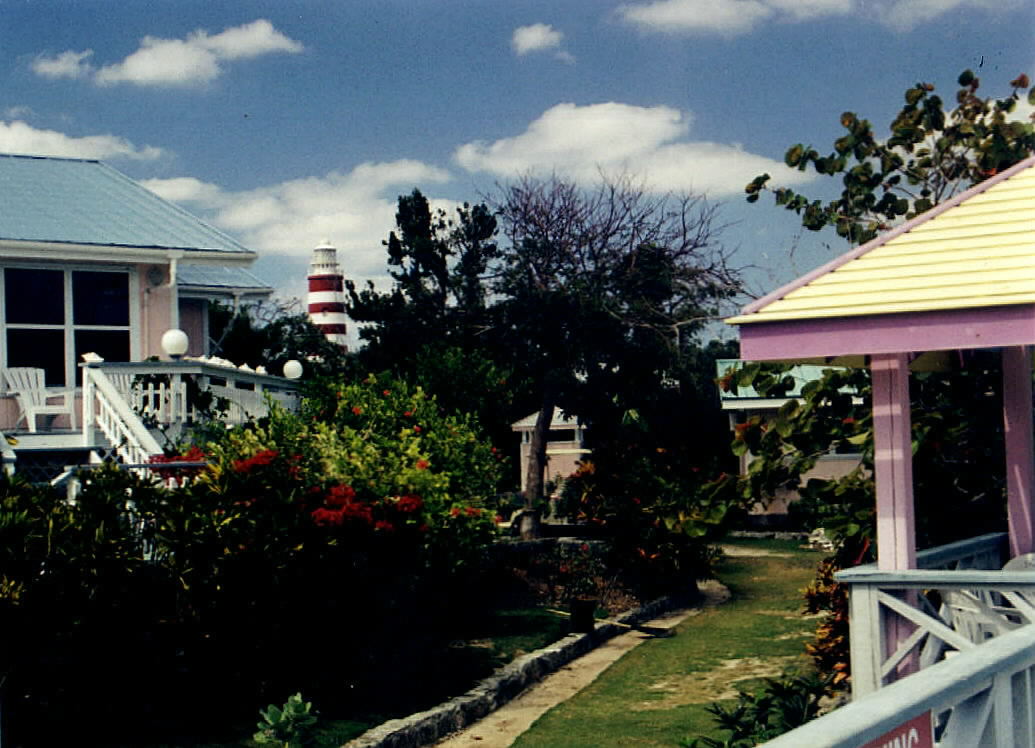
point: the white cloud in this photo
(68, 64)
(19, 137)
(354, 210)
(647, 142)
(731, 17)
(682, 16)
(539, 37)
(196, 60)
(903, 15)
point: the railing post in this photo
(865, 638)
(88, 406)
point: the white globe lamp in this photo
(174, 343)
(292, 369)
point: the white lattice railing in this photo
(984, 697)
(120, 398)
(959, 598)
(961, 660)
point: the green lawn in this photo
(657, 694)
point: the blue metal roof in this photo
(78, 201)
(214, 277)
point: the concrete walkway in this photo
(501, 728)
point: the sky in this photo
(286, 123)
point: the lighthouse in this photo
(327, 294)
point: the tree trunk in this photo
(536, 469)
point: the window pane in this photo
(34, 296)
(111, 345)
(42, 349)
(100, 298)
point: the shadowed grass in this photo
(657, 693)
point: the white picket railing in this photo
(126, 400)
(984, 697)
(105, 407)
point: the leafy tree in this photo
(601, 292)
(930, 154)
(437, 265)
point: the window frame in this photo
(68, 326)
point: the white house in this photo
(92, 262)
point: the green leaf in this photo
(794, 154)
(966, 78)
(1031, 96)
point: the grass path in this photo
(657, 694)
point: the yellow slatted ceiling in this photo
(978, 253)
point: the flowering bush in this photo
(348, 521)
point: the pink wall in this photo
(193, 321)
(155, 308)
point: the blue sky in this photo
(286, 123)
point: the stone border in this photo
(424, 728)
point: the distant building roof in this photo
(976, 250)
(68, 201)
(560, 421)
(218, 280)
(739, 398)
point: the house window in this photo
(52, 317)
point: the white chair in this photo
(29, 389)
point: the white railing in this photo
(162, 390)
(957, 599)
(982, 697)
(8, 458)
(126, 400)
(105, 407)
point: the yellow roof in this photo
(977, 250)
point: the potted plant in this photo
(580, 569)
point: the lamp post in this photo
(174, 343)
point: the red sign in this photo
(916, 733)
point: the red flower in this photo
(340, 495)
(385, 393)
(416, 429)
(407, 413)
(385, 526)
(473, 511)
(422, 464)
(194, 454)
(324, 517)
(409, 503)
(848, 421)
(265, 457)
(356, 410)
(454, 512)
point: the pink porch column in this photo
(1020, 453)
(893, 462)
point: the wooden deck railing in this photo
(127, 400)
(963, 667)
(984, 696)
(957, 599)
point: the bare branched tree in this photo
(591, 278)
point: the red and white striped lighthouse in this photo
(327, 294)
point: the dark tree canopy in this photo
(590, 302)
